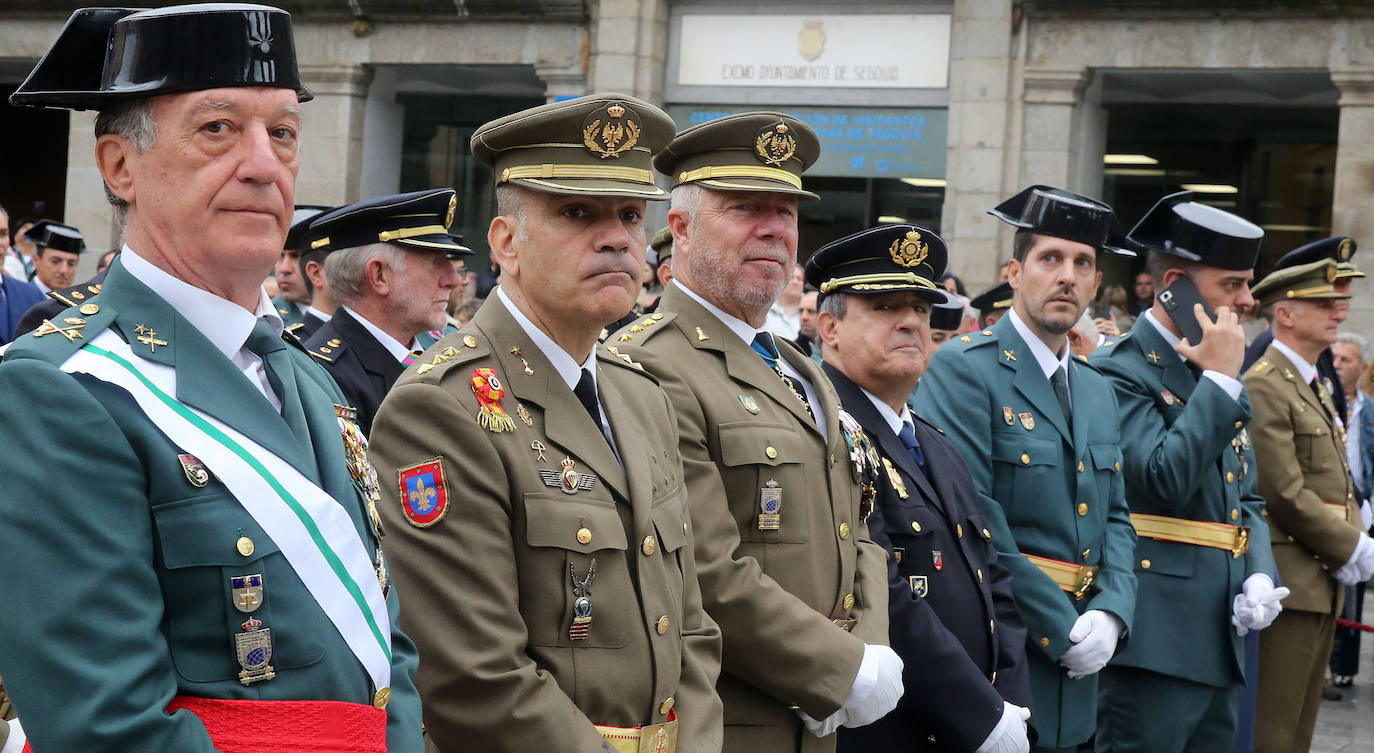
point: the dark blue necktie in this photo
(908, 437)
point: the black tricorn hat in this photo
(995, 298)
(418, 220)
(1064, 214)
(56, 236)
(879, 260)
(948, 315)
(1179, 226)
(1340, 249)
(105, 56)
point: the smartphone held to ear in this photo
(1178, 300)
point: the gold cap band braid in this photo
(386, 236)
(740, 171)
(906, 278)
(605, 172)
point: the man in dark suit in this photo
(17, 297)
(952, 616)
(388, 266)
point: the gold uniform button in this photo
(1044, 643)
(980, 575)
(649, 546)
(1239, 424)
(1082, 508)
(1080, 466)
(1230, 477)
(245, 546)
(584, 535)
(959, 529)
(987, 534)
(684, 528)
(844, 531)
(1144, 564)
(770, 452)
(1235, 514)
(849, 601)
(662, 625)
(89, 309)
(1117, 465)
(915, 526)
(994, 677)
(1025, 459)
(666, 706)
(992, 627)
(1086, 552)
(382, 698)
(470, 341)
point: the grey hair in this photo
(836, 304)
(1086, 327)
(132, 120)
(1358, 341)
(513, 202)
(345, 269)
(686, 197)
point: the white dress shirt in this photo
(392, 345)
(1230, 385)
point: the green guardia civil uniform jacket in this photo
(779, 592)
(1046, 491)
(119, 561)
(1187, 455)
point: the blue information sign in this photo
(871, 142)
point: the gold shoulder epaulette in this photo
(642, 329)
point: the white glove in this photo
(877, 687)
(821, 728)
(1094, 635)
(1256, 606)
(1360, 565)
(16, 740)
(1366, 515)
(1009, 736)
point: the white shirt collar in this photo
(44, 289)
(568, 369)
(392, 345)
(1169, 337)
(734, 323)
(1308, 371)
(1049, 362)
(224, 323)
(319, 314)
(893, 419)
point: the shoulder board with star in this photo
(610, 354)
(1259, 367)
(329, 350)
(454, 349)
(75, 295)
(642, 329)
(56, 339)
(971, 340)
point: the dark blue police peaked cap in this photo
(1179, 226)
(55, 235)
(995, 298)
(1339, 249)
(105, 56)
(880, 260)
(1064, 214)
(301, 217)
(418, 220)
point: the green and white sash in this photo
(310, 528)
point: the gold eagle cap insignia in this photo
(452, 207)
(611, 131)
(909, 251)
(775, 144)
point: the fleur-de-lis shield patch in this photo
(424, 494)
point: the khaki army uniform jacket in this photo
(1305, 481)
(744, 436)
(491, 556)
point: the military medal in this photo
(247, 592)
(1240, 443)
(1008, 415)
(489, 391)
(355, 457)
(254, 650)
(582, 602)
(569, 481)
(1027, 420)
(1168, 397)
(896, 479)
(524, 414)
(937, 559)
(770, 506)
(920, 585)
(863, 458)
(194, 469)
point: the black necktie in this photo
(768, 350)
(265, 342)
(586, 394)
(1060, 381)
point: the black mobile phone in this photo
(1178, 300)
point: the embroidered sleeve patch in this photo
(424, 493)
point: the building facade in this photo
(930, 111)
